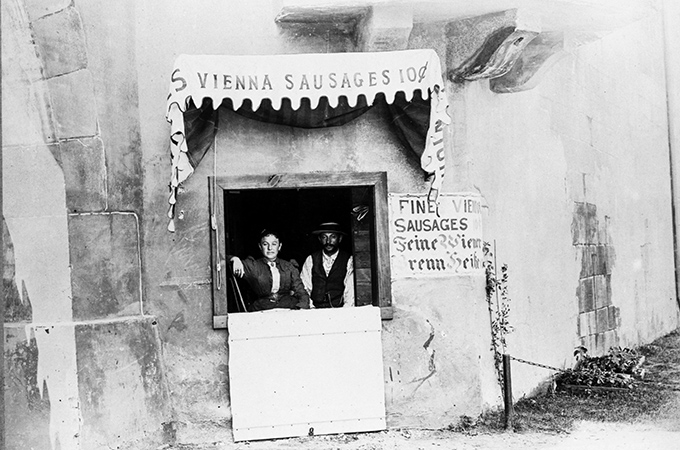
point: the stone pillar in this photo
(72, 197)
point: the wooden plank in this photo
(386, 313)
(361, 240)
(219, 322)
(295, 371)
(362, 276)
(297, 180)
(263, 324)
(217, 246)
(382, 256)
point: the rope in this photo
(537, 364)
(213, 219)
(671, 386)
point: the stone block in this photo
(601, 320)
(591, 223)
(111, 42)
(61, 42)
(84, 174)
(604, 237)
(73, 104)
(121, 383)
(387, 28)
(28, 423)
(587, 257)
(105, 265)
(601, 291)
(602, 266)
(599, 348)
(589, 343)
(592, 322)
(39, 8)
(611, 339)
(596, 261)
(584, 224)
(585, 295)
(583, 325)
(578, 229)
(117, 385)
(26, 117)
(608, 284)
(614, 318)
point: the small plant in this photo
(466, 425)
(498, 301)
(618, 369)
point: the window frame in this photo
(218, 185)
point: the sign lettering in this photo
(436, 238)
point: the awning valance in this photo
(330, 79)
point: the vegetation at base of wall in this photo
(620, 368)
(656, 395)
(498, 301)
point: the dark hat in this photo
(329, 227)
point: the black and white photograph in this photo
(340, 224)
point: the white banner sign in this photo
(311, 76)
(436, 238)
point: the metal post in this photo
(507, 392)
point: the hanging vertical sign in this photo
(436, 238)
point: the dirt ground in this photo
(664, 435)
(660, 431)
(657, 428)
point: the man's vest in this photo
(327, 290)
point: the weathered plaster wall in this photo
(428, 377)
(528, 154)
(71, 202)
(578, 168)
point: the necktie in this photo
(276, 277)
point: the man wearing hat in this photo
(328, 274)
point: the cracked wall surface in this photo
(72, 201)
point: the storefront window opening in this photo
(295, 207)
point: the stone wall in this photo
(574, 167)
(83, 360)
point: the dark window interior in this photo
(295, 213)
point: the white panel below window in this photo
(292, 371)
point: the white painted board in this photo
(292, 371)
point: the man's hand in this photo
(237, 266)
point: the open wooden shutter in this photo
(362, 216)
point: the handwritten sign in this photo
(436, 238)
